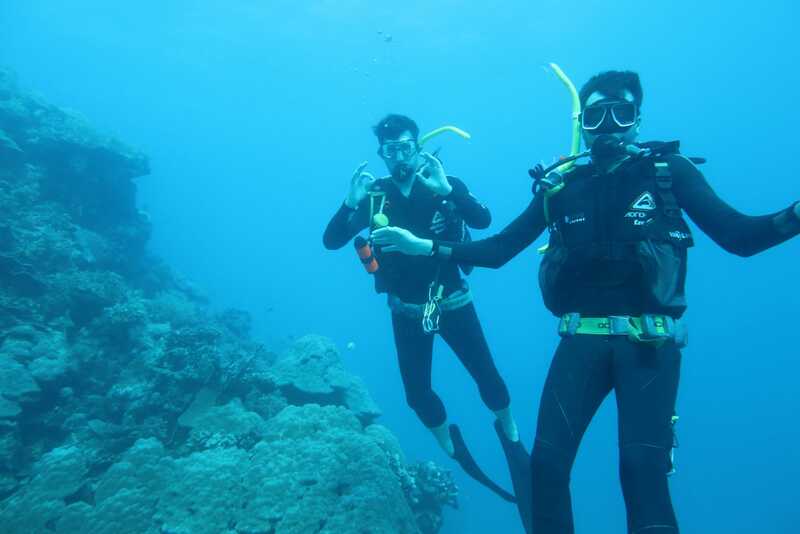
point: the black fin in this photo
(468, 464)
(519, 465)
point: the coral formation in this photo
(127, 405)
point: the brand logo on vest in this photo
(675, 234)
(575, 219)
(645, 202)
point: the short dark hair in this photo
(613, 83)
(392, 126)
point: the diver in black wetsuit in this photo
(614, 272)
(420, 198)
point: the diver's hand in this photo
(436, 179)
(360, 184)
(537, 172)
(394, 239)
(797, 210)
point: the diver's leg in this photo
(646, 384)
(577, 382)
(414, 357)
(462, 331)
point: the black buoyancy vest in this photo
(629, 217)
(433, 209)
(426, 202)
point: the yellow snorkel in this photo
(438, 131)
(565, 165)
(575, 147)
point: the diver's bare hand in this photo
(360, 184)
(394, 239)
(436, 179)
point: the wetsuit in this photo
(595, 281)
(407, 280)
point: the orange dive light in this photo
(365, 254)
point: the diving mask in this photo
(609, 117)
(395, 150)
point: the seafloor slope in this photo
(127, 406)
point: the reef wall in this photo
(127, 406)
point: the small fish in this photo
(388, 38)
(351, 345)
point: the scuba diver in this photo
(614, 273)
(426, 296)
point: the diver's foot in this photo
(508, 424)
(511, 431)
(442, 435)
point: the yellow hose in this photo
(575, 147)
(438, 131)
(576, 115)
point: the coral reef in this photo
(311, 371)
(127, 405)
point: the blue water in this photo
(254, 115)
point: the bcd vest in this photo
(629, 218)
(454, 227)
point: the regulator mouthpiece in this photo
(607, 146)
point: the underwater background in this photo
(254, 115)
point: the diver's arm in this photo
(474, 213)
(739, 234)
(344, 225)
(497, 250)
(788, 221)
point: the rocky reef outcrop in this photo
(126, 405)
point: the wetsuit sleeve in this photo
(497, 250)
(344, 225)
(474, 213)
(739, 234)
